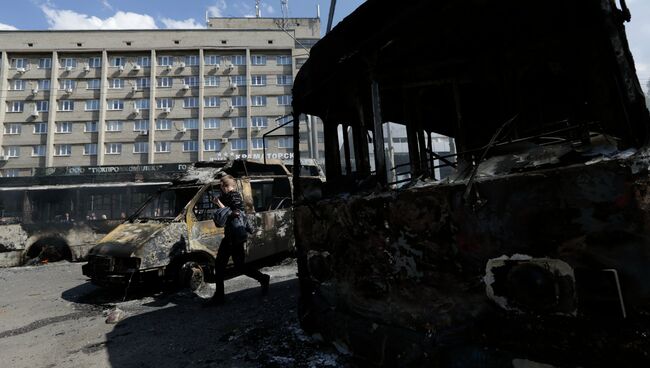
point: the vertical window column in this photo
(4, 69)
(152, 107)
(201, 102)
(101, 124)
(248, 103)
(51, 115)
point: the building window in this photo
(113, 148)
(92, 105)
(67, 84)
(211, 145)
(143, 83)
(211, 81)
(258, 100)
(238, 101)
(260, 121)
(144, 61)
(44, 84)
(191, 60)
(238, 123)
(258, 80)
(38, 150)
(17, 85)
(163, 124)
(62, 150)
(285, 80)
(238, 59)
(285, 142)
(283, 59)
(90, 149)
(165, 82)
(141, 103)
(284, 100)
(212, 101)
(117, 61)
(190, 102)
(91, 126)
(40, 128)
(11, 173)
(11, 151)
(93, 84)
(190, 146)
(66, 105)
(114, 125)
(42, 106)
(141, 125)
(163, 103)
(45, 63)
(95, 62)
(211, 123)
(12, 128)
(165, 60)
(190, 124)
(257, 143)
(238, 144)
(285, 120)
(238, 80)
(212, 59)
(16, 106)
(258, 59)
(162, 147)
(140, 147)
(116, 83)
(64, 127)
(18, 63)
(68, 63)
(115, 105)
(192, 81)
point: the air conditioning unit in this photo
(256, 129)
(232, 129)
(231, 108)
(68, 90)
(217, 66)
(137, 67)
(86, 68)
(121, 68)
(134, 88)
(224, 140)
(34, 91)
(186, 87)
(3, 158)
(136, 110)
(230, 67)
(143, 132)
(182, 65)
(21, 70)
(35, 113)
(168, 110)
(169, 67)
(183, 130)
(68, 68)
(233, 85)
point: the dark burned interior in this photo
(494, 75)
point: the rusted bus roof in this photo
(532, 59)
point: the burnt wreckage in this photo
(535, 247)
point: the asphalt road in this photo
(51, 316)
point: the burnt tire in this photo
(191, 276)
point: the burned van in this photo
(173, 236)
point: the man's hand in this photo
(218, 202)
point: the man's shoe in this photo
(265, 284)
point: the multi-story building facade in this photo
(96, 98)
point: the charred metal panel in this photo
(401, 274)
(158, 250)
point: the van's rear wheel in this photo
(191, 276)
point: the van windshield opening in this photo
(167, 203)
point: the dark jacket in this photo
(232, 216)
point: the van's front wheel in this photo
(191, 275)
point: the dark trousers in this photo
(226, 250)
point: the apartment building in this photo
(129, 97)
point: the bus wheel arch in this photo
(48, 248)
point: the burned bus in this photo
(534, 250)
(59, 213)
(172, 238)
